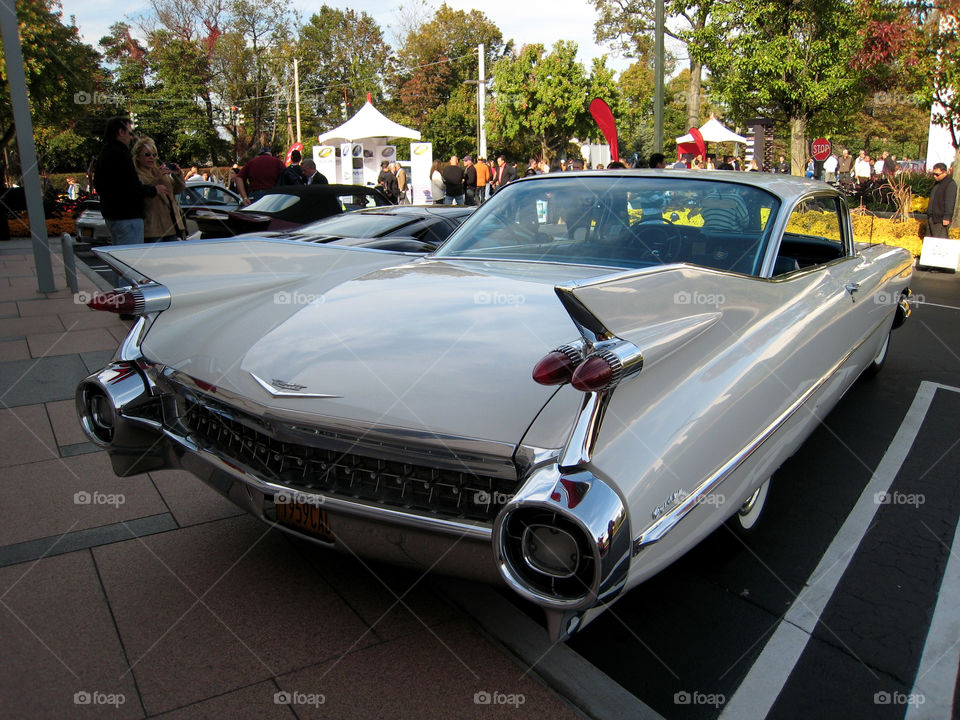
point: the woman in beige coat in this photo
(162, 219)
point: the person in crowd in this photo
(437, 191)
(388, 182)
(503, 173)
(845, 167)
(575, 165)
(73, 188)
(830, 168)
(657, 161)
(453, 182)
(162, 219)
(617, 165)
(118, 185)
(861, 168)
(232, 178)
(259, 175)
(310, 174)
(532, 168)
(752, 166)
(810, 169)
(469, 181)
(401, 182)
(782, 167)
(878, 167)
(943, 200)
(889, 165)
(726, 163)
(483, 179)
(192, 174)
(292, 174)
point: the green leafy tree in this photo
(64, 84)
(630, 24)
(541, 100)
(790, 60)
(343, 57)
(435, 60)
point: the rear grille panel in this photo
(404, 486)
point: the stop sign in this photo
(820, 149)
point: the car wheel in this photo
(881, 357)
(745, 519)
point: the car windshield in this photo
(622, 221)
(272, 203)
(355, 224)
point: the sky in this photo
(530, 22)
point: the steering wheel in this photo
(660, 238)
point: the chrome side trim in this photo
(667, 521)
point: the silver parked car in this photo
(594, 373)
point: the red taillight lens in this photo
(113, 301)
(554, 368)
(594, 374)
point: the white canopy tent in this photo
(714, 131)
(367, 123)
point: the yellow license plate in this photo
(305, 517)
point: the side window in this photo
(813, 236)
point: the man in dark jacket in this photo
(943, 199)
(118, 185)
(292, 174)
(469, 181)
(452, 175)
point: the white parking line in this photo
(769, 674)
(928, 304)
(932, 694)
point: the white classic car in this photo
(593, 374)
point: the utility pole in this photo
(658, 81)
(296, 95)
(481, 102)
(28, 151)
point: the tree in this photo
(788, 59)
(64, 84)
(344, 57)
(631, 24)
(428, 86)
(541, 100)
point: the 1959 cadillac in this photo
(592, 375)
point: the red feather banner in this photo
(608, 126)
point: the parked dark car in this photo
(284, 208)
(404, 228)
